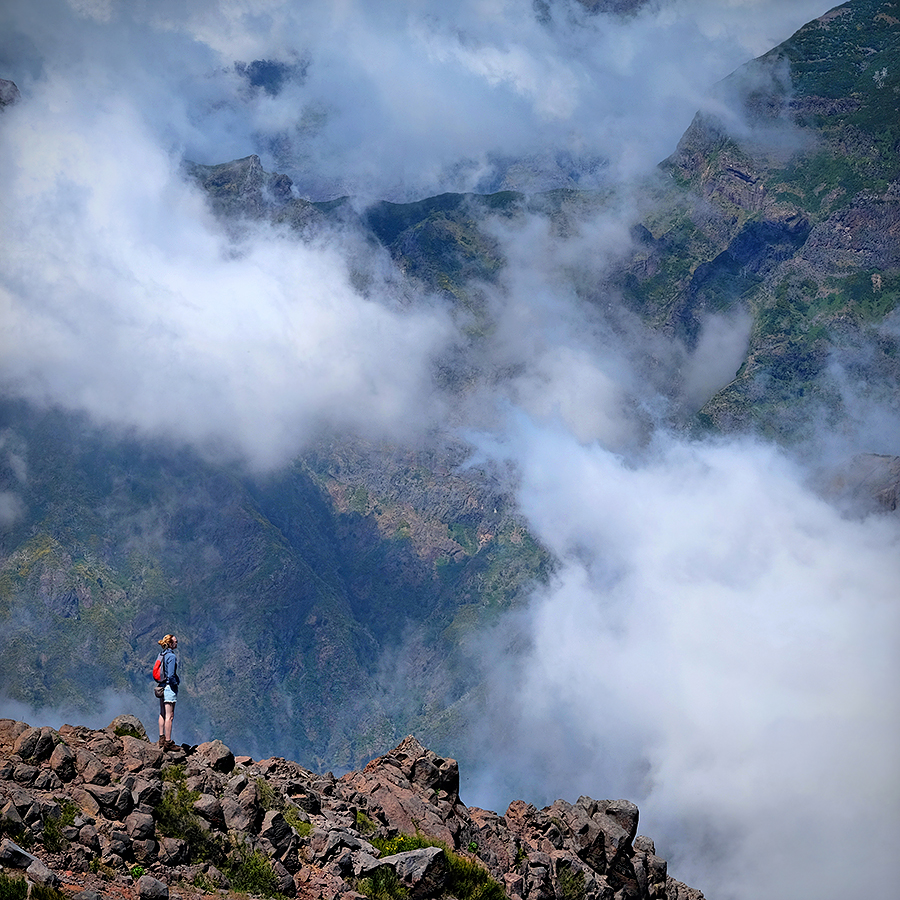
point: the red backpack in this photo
(158, 669)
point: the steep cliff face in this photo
(107, 811)
(788, 206)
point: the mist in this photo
(718, 645)
(718, 641)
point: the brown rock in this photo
(62, 761)
(90, 768)
(34, 744)
(217, 756)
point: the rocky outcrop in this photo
(96, 810)
(9, 93)
(242, 189)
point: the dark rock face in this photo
(9, 93)
(316, 833)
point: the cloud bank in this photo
(719, 645)
(718, 642)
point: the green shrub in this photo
(383, 884)
(45, 892)
(175, 818)
(267, 796)
(53, 838)
(468, 879)
(292, 817)
(128, 731)
(12, 888)
(364, 825)
(69, 812)
(251, 871)
(571, 883)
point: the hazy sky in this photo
(719, 643)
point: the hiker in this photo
(169, 681)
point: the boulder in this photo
(34, 744)
(62, 761)
(210, 808)
(150, 888)
(128, 725)
(11, 854)
(277, 831)
(41, 874)
(424, 872)
(217, 756)
(141, 753)
(140, 826)
(90, 768)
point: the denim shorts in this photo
(169, 696)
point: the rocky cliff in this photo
(107, 814)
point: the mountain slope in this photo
(323, 609)
(790, 208)
(288, 591)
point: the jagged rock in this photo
(40, 873)
(535, 854)
(150, 888)
(217, 755)
(140, 826)
(424, 871)
(89, 837)
(34, 744)
(172, 851)
(90, 768)
(11, 854)
(62, 761)
(140, 753)
(210, 808)
(276, 831)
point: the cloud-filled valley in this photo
(718, 641)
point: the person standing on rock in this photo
(169, 680)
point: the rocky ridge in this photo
(105, 813)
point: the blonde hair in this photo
(166, 642)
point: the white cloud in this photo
(121, 297)
(723, 642)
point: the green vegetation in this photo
(271, 799)
(364, 825)
(52, 836)
(13, 887)
(127, 731)
(45, 892)
(383, 884)
(468, 879)
(251, 871)
(175, 817)
(571, 883)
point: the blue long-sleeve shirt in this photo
(170, 669)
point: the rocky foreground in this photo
(107, 814)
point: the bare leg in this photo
(169, 717)
(162, 717)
